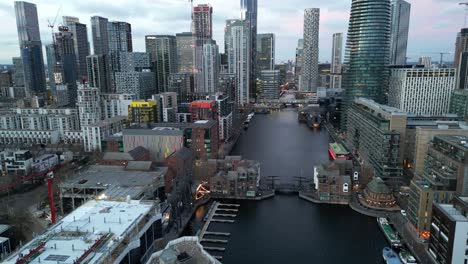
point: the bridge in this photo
(312, 100)
(302, 184)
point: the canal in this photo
(287, 229)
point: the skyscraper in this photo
(100, 35)
(81, 43)
(461, 58)
(210, 67)
(18, 73)
(51, 62)
(298, 64)
(31, 47)
(368, 51)
(99, 74)
(309, 71)
(120, 36)
(236, 41)
(163, 50)
(185, 51)
(336, 60)
(202, 30)
(265, 52)
(249, 14)
(400, 12)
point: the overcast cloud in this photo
(433, 26)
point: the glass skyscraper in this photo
(30, 46)
(249, 15)
(367, 52)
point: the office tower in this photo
(400, 15)
(134, 75)
(324, 75)
(425, 61)
(120, 36)
(99, 73)
(18, 72)
(298, 64)
(265, 52)
(249, 15)
(282, 72)
(461, 45)
(459, 103)
(421, 91)
(309, 71)
(30, 46)
(183, 84)
(185, 51)
(367, 52)
(270, 83)
(100, 35)
(163, 51)
(336, 60)
(210, 68)
(80, 39)
(236, 41)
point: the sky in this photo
(433, 24)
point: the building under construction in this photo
(137, 180)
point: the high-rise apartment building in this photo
(143, 112)
(183, 84)
(185, 51)
(421, 91)
(80, 39)
(459, 103)
(236, 41)
(30, 46)
(399, 33)
(202, 30)
(368, 51)
(265, 52)
(120, 36)
(163, 51)
(210, 68)
(99, 73)
(134, 75)
(249, 9)
(89, 105)
(309, 70)
(18, 72)
(336, 61)
(100, 35)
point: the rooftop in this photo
(153, 132)
(339, 149)
(183, 250)
(96, 227)
(455, 140)
(377, 185)
(452, 212)
(116, 181)
(379, 107)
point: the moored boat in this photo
(406, 257)
(390, 256)
(389, 233)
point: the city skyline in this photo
(285, 22)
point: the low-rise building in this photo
(333, 182)
(99, 231)
(16, 161)
(449, 225)
(29, 137)
(113, 183)
(179, 165)
(377, 195)
(161, 142)
(235, 178)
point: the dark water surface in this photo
(286, 229)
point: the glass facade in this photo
(367, 51)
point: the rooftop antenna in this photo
(466, 11)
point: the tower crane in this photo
(441, 55)
(52, 25)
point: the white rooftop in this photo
(453, 212)
(99, 223)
